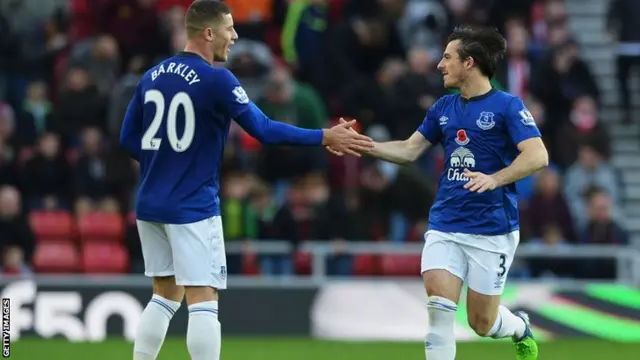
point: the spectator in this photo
(91, 186)
(551, 239)
(13, 263)
(252, 17)
(286, 227)
(34, 38)
(622, 24)
(601, 229)
(584, 125)
(424, 24)
(14, 227)
(35, 118)
(303, 37)
(357, 49)
(413, 94)
(235, 190)
(251, 62)
(294, 103)
(260, 213)
(9, 171)
(47, 176)
(100, 56)
(590, 170)
(134, 24)
(561, 79)
(515, 70)
(548, 207)
(78, 105)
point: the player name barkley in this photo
(180, 69)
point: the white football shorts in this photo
(481, 261)
(193, 253)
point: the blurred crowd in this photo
(68, 69)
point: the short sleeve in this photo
(520, 123)
(229, 94)
(430, 127)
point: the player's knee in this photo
(442, 283)
(197, 294)
(481, 323)
(166, 287)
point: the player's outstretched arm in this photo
(236, 104)
(399, 152)
(339, 137)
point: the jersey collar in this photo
(189, 54)
(480, 97)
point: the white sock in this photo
(203, 333)
(153, 326)
(441, 339)
(507, 325)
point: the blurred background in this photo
(68, 69)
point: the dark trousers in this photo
(626, 64)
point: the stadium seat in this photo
(56, 257)
(365, 265)
(101, 226)
(52, 225)
(250, 266)
(104, 258)
(400, 265)
(302, 263)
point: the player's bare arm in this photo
(533, 157)
(401, 152)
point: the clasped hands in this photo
(343, 139)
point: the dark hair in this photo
(485, 45)
(593, 191)
(203, 13)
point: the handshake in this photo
(343, 139)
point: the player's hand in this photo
(479, 182)
(332, 150)
(342, 139)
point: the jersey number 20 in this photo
(149, 141)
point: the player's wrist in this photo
(326, 137)
(498, 179)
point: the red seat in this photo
(51, 225)
(104, 258)
(365, 265)
(250, 266)
(55, 257)
(302, 263)
(400, 265)
(101, 226)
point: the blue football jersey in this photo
(480, 134)
(181, 114)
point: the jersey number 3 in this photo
(149, 139)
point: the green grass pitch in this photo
(306, 349)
